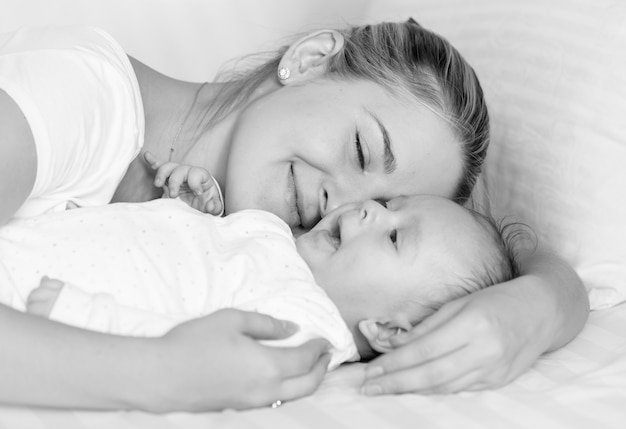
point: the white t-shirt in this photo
(80, 96)
(141, 268)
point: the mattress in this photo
(582, 385)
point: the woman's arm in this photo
(487, 339)
(210, 363)
(18, 158)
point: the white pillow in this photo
(554, 74)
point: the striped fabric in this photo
(581, 386)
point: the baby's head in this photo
(387, 268)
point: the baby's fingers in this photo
(163, 174)
(210, 202)
(176, 179)
(199, 180)
(151, 160)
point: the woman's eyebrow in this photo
(389, 159)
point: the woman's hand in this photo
(487, 339)
(194, 185)
(217, 362)
(480, 341)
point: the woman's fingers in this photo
(304, 384)
(473, 380)
(432, 377)
(260, 326)
(471, 343)
(443, 340)
(440, 318)
(296, 361)
(430, 348)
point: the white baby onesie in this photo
(141, 268)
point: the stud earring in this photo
(284, 73)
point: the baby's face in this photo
(370, 259)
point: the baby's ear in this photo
(379, 333)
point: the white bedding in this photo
(581, 386)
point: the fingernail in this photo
(372, 389)
(290, 327)
(373, 371)
(211, 207)
(399, 339)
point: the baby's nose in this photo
(371, 208)
(333, 196)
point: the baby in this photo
(366, 272)
(139, 269)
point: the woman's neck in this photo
(200, 142)
(209, 146)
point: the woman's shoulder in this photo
(79, 94)
(88, 52)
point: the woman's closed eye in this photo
(360, 157)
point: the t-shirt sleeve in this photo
(80, 96)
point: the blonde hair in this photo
(408, 59)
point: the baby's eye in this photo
(381, 202)
(393, 236)
(359, 151)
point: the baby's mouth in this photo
(334, 236)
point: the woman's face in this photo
(305, 149)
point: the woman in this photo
(338, 116)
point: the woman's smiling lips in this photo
(299, 214)
(292, 199)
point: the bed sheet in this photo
(582, 385)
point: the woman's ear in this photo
(308, 57)
(379, 333)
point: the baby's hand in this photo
(41, 299)
(194, 185)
